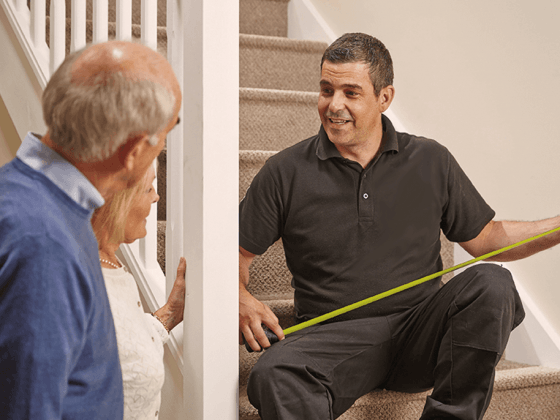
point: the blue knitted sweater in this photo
(58, 351)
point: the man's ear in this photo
(130, 152)
(386, 96)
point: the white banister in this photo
(210, 174)
(78, 25)
(124, 19)
(19, 5)
(57, 34)
(149, 23)
(100, 21)
(38, 19)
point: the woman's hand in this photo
(171, 313)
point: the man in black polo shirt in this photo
(359, 208)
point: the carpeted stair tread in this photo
(279, 63)
(271, 119)
(519, 394)
(264, 17)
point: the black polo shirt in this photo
(350, 233)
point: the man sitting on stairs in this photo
(359, 208)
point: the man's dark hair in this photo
(358, 47)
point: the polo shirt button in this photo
(139, 304)
(157, 412)
(365, 196)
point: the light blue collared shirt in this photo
(34, 153)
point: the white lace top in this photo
(140, 339)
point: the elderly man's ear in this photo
(131, 150)
(136, 155)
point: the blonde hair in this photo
(109, 221)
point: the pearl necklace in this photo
(108, 262)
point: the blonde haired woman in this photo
(140, 336)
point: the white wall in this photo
(483, 78)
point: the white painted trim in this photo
(535, 341)
(19, 87)
(37, 55)
(210, 180)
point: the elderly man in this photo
(359, 208)
(108, 109)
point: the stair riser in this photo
(263, 17)
(270, 67)
(274, 123)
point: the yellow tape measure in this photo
(406, 286)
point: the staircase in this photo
(278, 99)
(279, 83)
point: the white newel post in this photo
(210, 177)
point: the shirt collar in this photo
(326, 149)
(34, 153)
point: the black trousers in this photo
(451, 342)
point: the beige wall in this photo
(483, 78)
(9, 139)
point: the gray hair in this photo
(358, 47)
(91, 120)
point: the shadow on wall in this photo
(9, 139)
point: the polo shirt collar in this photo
(35, 154)
(326, 149)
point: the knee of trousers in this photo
(270, 374)
(282, 376)
(489, 307)
(492, 284)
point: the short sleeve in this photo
(466, 212)
(261, 216)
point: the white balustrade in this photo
(38, 20)
(78, 25)
(124, 19)
(57, 34)
(100, 21)
(149, 23)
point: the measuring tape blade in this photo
(406, 286)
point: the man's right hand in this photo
(253, 313)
